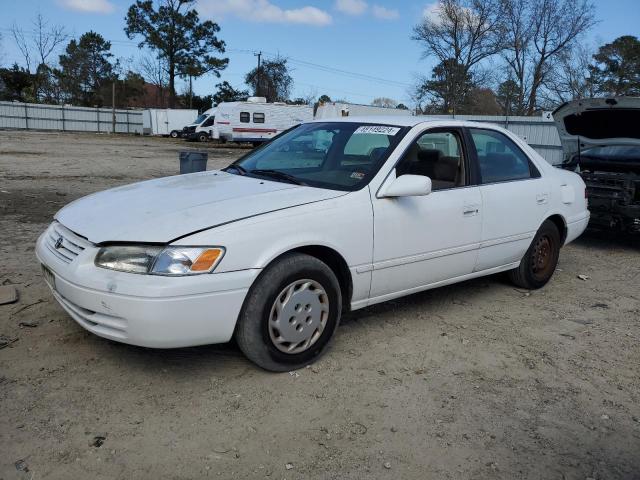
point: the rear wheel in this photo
(290, 313)
(174, 134)
(540, 261)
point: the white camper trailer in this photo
(166, 121)
(254, 121)
(335, 110)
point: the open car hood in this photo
(595, 122)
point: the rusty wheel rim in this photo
(542, 258)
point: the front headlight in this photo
(158, 260)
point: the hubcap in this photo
(542, 258)
(298, 316)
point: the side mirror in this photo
(408, 186)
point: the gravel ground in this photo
(475, 380)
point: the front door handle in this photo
(542, 198)
(471, 210)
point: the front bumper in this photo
(146, 310)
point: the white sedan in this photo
(330, 216)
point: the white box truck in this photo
(254, 121)
(166, 121)
(333, 110)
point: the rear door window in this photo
(500, 159)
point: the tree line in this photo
(518, 57)
(513, 57)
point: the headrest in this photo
(501, 160)
(447, 168)
(429, 155)
(377, 153)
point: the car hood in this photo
(593, 122)
(162, 210)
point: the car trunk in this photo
(601, 141)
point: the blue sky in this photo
(368, 37)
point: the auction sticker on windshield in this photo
(377, 130)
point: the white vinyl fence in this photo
(32, 116)
(539, 132)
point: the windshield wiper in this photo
(241, 170)
(277, 175)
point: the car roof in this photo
(400, 120)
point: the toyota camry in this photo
(328, 217)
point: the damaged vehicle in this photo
(601, 141)
(330, 216)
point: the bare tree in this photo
(155, 71)
(466, 31)
(536, 34)
(23, 45)
(517, 38)
(36, 46)
(460, 34)
(571, 78)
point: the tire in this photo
(203, 137)
(174, 134)
(540, 261)
(257, 332)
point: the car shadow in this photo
(605, 240)
(225, 358)
(228, 360)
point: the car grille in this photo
(63, 243)
(189, 129)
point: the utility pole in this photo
(259, 55)
(113, 107)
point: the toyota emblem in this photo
(58, 243)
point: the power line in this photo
(330, 69)
(295, 61)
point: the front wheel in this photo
(290, 313)
(203, 137)
(540, 261)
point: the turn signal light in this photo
(206, 260)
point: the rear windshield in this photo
(335, 155)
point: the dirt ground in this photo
(476, 380)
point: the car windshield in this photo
(201, 119)
(335, 155)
